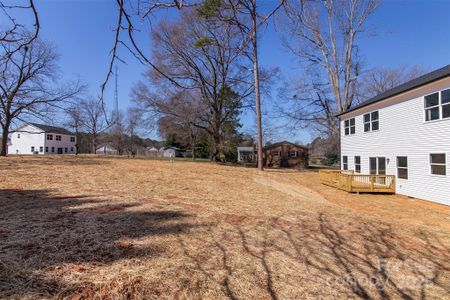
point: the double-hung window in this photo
(58, 137)
(371, 121)
(438, 164)
(350, 126)
(345, 162)
(402, 167)
(49, 137)
(358, 164)
(437, 105)
(292, 153)
(72, 139)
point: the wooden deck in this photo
(358, 183)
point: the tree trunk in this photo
(257, 89)
(5, 140)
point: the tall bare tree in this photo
(205, 57)
(27, 80)
(324, 35)
(379, 80)
(94, 120)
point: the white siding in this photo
(404, 132)
(63, 144)
(30, 136)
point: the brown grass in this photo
(98, 228)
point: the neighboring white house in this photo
(106, 149)
(33, 138)
(169, 152)
(404, 132)
(245, 154)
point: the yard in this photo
(87, 227)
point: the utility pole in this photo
(116, 97)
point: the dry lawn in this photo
(96, 228)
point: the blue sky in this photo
(410, 32)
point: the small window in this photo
(445, 102)
(46, 149)
(371, 121)
(71, 149)
(350, 126)
(345, 162)
(41, 149)
(432, 107)
(53, 149)
(18, 135)
(65, 150)
(50, 137)
(276, 153)
(402, 167)
(72, 139)
(32, 149)
(292, 153)
(58, 137)
(438, 164)
(358, 164)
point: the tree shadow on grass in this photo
(56, 160)
(40, 233)
(319, 257)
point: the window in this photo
(437, 105)
(402, 167)
(53, 149)
(18, 135)
(350, 126)
(50, 137)
(438, 164)
(72, 139)
(71, 149)
(345, 162)
(65, 150)
(58, 137)
(358, 164)
(371, 121)
(41, 149)
(46, 149)
(292, 153)
(276, 153)
(32, 149)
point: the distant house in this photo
(170, 152)
(33, 138)
(246, 155)
(151, 151)
(106, 149)
(285, 155)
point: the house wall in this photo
(64, 143)
(404, 132)
(29, 136)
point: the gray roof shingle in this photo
(52, 129)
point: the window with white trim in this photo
(18, 135)
(32, 149)
(72, 139)
(350, 126)
(49, 137)
(402, 167)
(438, 164)
(358, 164)
(276, 153)
(437, 105)
(41, 149)
(371, 121)
(345, 162)
(58, 138)
(292, 153)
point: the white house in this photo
(170, 152)
(405, 132)
(106, 149)
(33, 138)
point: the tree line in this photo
(203, 72)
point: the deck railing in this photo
(348, 181)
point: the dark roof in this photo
(284, 143)
(52, 129)
(407, 86)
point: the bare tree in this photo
(14, 32)
(379, 80)
(93, 119)
(75, 121)
(27, 78)
(324, 35)
(205, 57)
